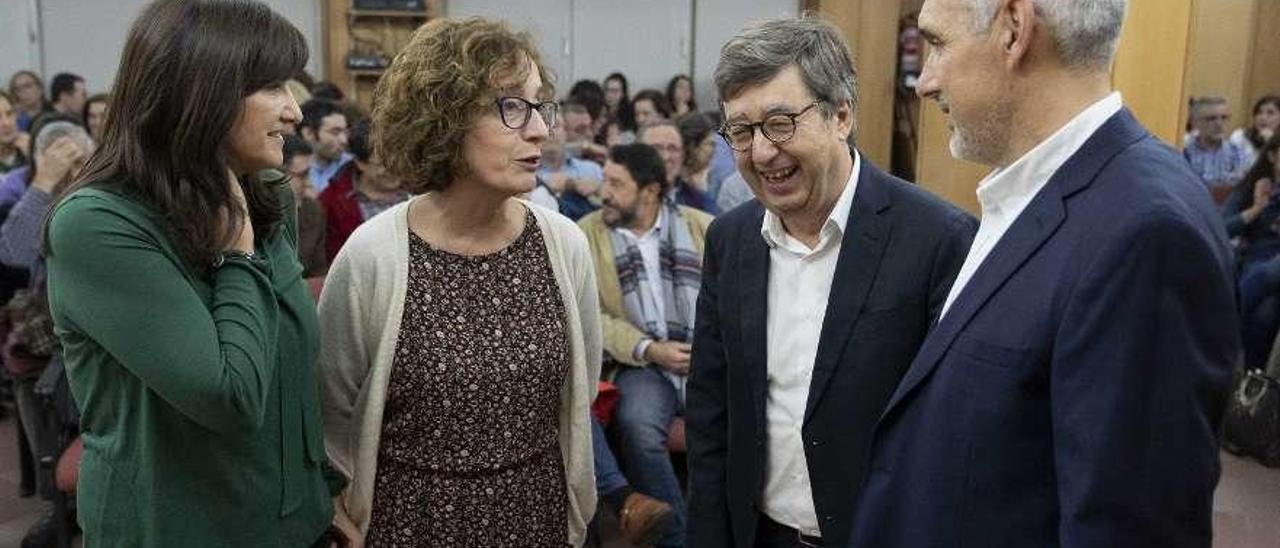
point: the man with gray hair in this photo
(1219, 162)
(1072, 391)
(815, 296)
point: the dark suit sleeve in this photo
(1140, 373)
(953, 248)
(706, 414)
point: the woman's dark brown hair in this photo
(1263, 168)
(186, 68)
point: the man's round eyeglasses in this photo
(515, 112)
(777, 128)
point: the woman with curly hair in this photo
(461, 339)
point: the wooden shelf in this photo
(397, 14)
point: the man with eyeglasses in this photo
(664, 135)
(1219, 162)
(815, 298)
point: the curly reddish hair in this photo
(429, 97)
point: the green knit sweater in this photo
(199, 403)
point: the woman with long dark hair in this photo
(680, 95)
(187, 330)
(1252, 214)
(1262, 126)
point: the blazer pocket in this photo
(990, 353)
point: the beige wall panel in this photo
(1264, 75)
(871, 27)
(1218, 62)
(937, 170)
(1151, 64)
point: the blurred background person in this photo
(649, 106)
(95, 114)
(680, 95)
(27, 92)
(1265, 121)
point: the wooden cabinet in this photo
(360, 44)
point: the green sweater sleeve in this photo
(114, 281)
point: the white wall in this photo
(715, 21)
(86, 37)
(17, 38)
(648, 40)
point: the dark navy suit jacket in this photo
(1072, 394)
(902, 248)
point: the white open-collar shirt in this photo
(800, 280)
(1005, 193)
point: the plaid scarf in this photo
(680, 266)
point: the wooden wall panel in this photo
(1151, 64)
(871, 27)
(1222, 34)
(1264, 69)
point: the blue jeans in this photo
(608, 477)
(1260, 308)
(643, 418)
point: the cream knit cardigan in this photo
(360, 311)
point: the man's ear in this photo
(307, 133)
(846, 120)
(1015, 25)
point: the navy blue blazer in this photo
(901, 250)
(1072, 394)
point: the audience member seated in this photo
(327, 90)
(648, 256)
(565, 183)
(579, 133)
(617, 100)
(590, 94)
(698, 136)
(60, 148)
(14, 183)
(324, 126)
(680, 95)
(733, 192)
(68, 93)
(1266, 119)
(27, 92)
(359, 192)
(311, 219)
(11, 154)
(95, 115)
(1218, 162)
(1252, 214)
(664, 136)
(649, 106)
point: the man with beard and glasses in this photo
(648, 256)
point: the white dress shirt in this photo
(648, 244)
(1006, 192)
(799, 284)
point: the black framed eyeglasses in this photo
(515, 112)
(777, 128)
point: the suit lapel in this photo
(1029, 232)
(753, 265)
(866, 235)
